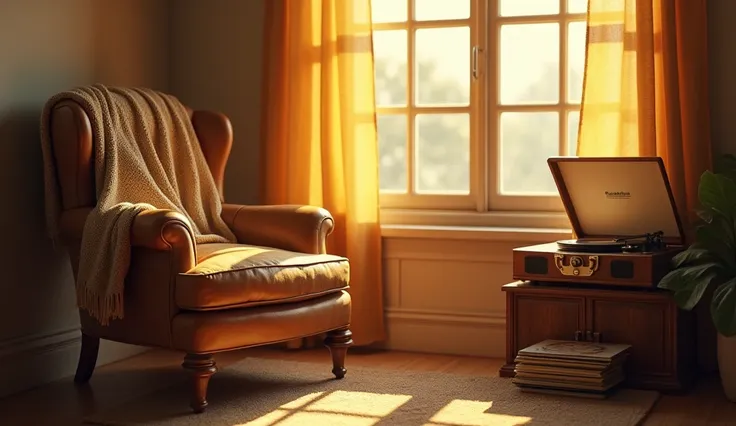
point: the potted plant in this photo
(710, 261)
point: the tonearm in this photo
(651, 241)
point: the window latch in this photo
(476, 65)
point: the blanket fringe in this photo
(103, 308)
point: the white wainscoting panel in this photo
(444, 296)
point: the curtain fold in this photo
(646, 89)
(646, 94)
(319, 141)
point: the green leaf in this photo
(723, 308)
(674, 279)
(692, 256)
(717, 238)
(687, 299)
(689, 283)
(717, 192)
(706, 215)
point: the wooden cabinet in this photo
(662, 336)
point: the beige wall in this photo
(722, 71)
(47, 46)
(215, 64)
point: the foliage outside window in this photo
(473, 96)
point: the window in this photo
(472, 98)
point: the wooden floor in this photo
(62, 403)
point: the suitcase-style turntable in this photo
(625, 219)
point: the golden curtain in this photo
(319, 142)
(646, 89)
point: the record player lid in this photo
(616, 197)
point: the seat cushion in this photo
(237, 275)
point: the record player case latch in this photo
(575, 266)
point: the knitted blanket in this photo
(146, 156)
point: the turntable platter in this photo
(592, 246)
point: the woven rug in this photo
(265, 392)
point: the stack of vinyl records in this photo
(586, 369)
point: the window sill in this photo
(527, 227)
(482, 233)
(464, 218)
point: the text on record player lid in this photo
(617, 197)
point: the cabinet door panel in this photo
(644, 325)
(542, 318)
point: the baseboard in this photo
(32, 361)
(452, 333)
(113, 351)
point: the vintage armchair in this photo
(276, 284)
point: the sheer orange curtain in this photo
(319, 143)
(646, 88)
(646, 94)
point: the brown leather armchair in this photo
(275, 285)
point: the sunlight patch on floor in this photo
(473, 413)
(367, 409)
(334, 408)
(302, 401)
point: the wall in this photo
(722, 71)
(49, 46)
(215, 64)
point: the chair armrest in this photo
(161, 230)
(166, 230)
(155, 229)
(297, 228)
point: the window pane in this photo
(390, 55)
(392, 152)
(442, 153)
(573, 122)
(527, 140)
(576, 6)
(529, 64)
(575, 61)
(442, 73)
(431, 10)
(528, 7)
(388, 11)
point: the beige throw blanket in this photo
(146, 156)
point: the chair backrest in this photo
(71, 140)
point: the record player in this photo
(624, 218)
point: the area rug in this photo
(266, 392)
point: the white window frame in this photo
(483, 206)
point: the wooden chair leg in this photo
(87, 358)
(201, 367)
(338, 341)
